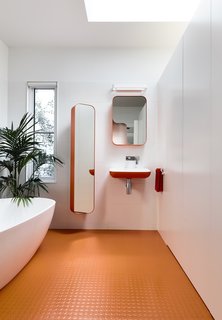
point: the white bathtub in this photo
(22, 230)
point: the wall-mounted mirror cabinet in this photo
(129, 120)
(82, 184)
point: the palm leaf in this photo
(7, 182)
(32, 156)
(22, 199)
(6, 164)
(32, 186)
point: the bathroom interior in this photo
(118, 247)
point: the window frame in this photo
(31, 87)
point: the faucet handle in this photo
(137, 159)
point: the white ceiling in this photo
(63, 23)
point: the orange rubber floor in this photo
(102, 275)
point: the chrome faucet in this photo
(133, 158)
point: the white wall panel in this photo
(216, 161)
(193, 227)
(170, 126)
(196, 146)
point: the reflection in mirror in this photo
(82, 182)
(129, 120)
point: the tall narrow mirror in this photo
(129, 120)
(82, 184)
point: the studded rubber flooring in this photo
(102, 275)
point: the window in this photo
(42, 104)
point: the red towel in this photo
(159, 180)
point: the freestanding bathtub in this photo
(22, 230)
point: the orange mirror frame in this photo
(82, 166)
(129, 119)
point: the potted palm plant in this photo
(18, 149)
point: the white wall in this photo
(3, 83)
(87, 76)
(190, 132)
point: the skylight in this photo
(140, 10)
